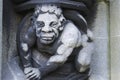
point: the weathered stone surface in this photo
(100, 61)
(1, 8)
(12, 71)
(100, 57)
(115, 39)
(10, 23)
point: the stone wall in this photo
(115, 39)
(106, 59)
(1, 8)
(100, 57)
(10, 22)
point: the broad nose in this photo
(46, 29)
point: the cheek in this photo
(38, 32)
(56, 31)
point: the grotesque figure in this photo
(48, 25)
(51, 41)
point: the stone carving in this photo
(55, 44)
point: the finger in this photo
(28, 75)
(28, 72)
(32, 76)
(35, 78)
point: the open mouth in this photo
(47, 38)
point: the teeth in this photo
(48, 38)
(48, 35)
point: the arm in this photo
(56, 61)
(62, 54)
(69, 39)
(26, 43)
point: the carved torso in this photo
(48, 49)
(72, 38)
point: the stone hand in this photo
(32, 73)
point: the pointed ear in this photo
(61, 26)
(62, 20)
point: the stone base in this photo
(12, 71)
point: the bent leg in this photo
(84, 57)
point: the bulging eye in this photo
(40, 23)
(53, 24)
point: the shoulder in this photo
(29, 36)
(70, 35)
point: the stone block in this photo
(99, 66)
(12, 71)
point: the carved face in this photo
(47, 27)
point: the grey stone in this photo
(1, 8)
(12, 71)
(99, 64)
(115, 39)
(100, 58)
